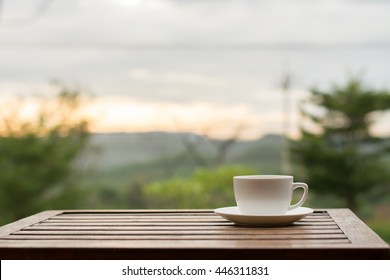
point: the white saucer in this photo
(234, 215)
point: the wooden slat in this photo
(172, 232)
(184, 225)
(319, 238)
(126, 217)
(146, 224)
(123, 221)
(343, 240)
(221, 223)
(232, 227)
(151, 216)
(314, 223)
(113, 224)
(167, 220)
(144, 212)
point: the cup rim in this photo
(263, 177)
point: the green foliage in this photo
(37, 157)
(206, 188)
(342, 157)
(382, 228)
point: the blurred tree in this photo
(210, 147)
(341, 156)
(37, 155)
(206, 188)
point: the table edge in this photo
(355, 229)
(22, 223)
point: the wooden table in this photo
(186, 234)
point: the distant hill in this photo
(117, 150)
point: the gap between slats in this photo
(175, 232)
(154, 223)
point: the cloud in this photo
(179, 78)
(105, 23)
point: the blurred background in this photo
(129, 104)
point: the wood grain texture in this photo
(190, 234)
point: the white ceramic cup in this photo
(266, 194)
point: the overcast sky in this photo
(194, 59)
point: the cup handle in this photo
(305, 188)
